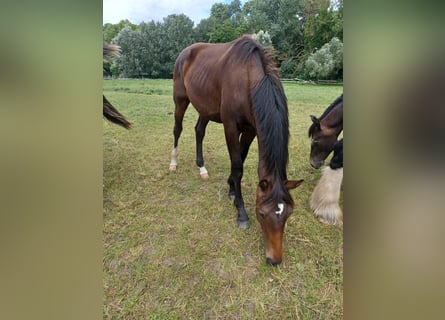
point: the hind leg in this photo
(200, 130)
(326, 195)
(181, 104)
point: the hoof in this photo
(203, 173)
(172, 167)
(243, 225)
(204, 176)
(334, 222)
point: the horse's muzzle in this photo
(316, 164)
(272, 262)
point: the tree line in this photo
(307, 36)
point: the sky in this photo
(147, 10)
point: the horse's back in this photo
(195, 62)
(211, 77)
(194, 78)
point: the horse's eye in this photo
(262, 215)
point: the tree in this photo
(282, 20)
(261, 14)
(226, 22)
(263, 38)
(202, 30)
(151, 49)
(110, 31)
(224, 32)
(177, 31)
(323, 22)
(326, 63)
(296, 29)
(129, 63)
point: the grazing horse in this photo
(110, 52)
(324, 132)
(237, 84)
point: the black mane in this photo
(271, 114)
(316, 126)
(332, 106)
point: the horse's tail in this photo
(111, 114)
(110, 52)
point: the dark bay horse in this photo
(110, 52)
(237, 84)
(324, 134)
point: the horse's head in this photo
(323, 139)
(273, 207)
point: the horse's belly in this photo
(212, 116)
(215, 117)
(206, 105)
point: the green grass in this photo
(172, 249)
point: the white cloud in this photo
(147, 10)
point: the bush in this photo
(263, 38)
(326, 63)
(288, 68)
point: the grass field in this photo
(172, 249)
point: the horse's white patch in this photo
(325, 197)
(174, 158)
(202, 170)
(280, 209)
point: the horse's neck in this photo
(334, 119)
(263, 173)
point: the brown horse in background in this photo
(110, 52)
(237, 84)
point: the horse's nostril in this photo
(271, 262)
(316, 165)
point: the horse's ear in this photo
(263, 184)
(327, 131)
(315, 119)
(292, 184)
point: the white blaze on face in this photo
(280, 209)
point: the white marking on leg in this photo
(203, 172)
(174, 159)
(325, 197)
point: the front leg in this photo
(235, 192)
(245, 142)
(231, 189)
(236, 175)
